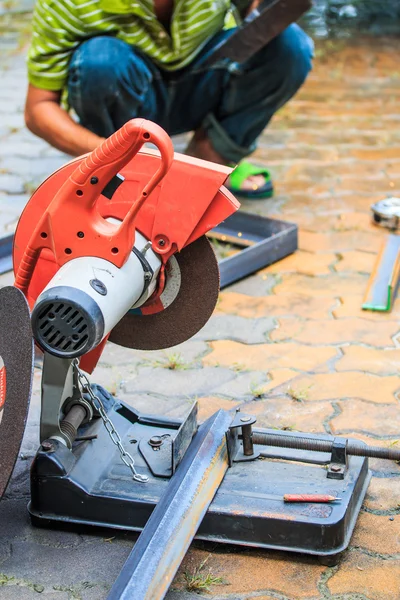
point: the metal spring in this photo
(68, 430)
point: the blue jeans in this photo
(111, 82)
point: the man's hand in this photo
(46, 119)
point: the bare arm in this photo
(46, 119)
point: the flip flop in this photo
(241, 173)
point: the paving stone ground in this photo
(289, 344)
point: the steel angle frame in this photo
(263, 241)
(385, 278)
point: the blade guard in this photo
(171, 199)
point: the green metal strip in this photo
(384, 281)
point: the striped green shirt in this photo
(59, 26)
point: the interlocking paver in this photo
(240, 329)
(183, 355)
(245, 385)
(178, 383)
(13, 590)
(248, 570)
(39, 563)
(382, 495)
(331, 386)
(255, 285)
(359, 573)
(269, 356)
(11, 184)
(340, 241)
(351, 306)
(367, 417)
(331, 220)
(209, 405)
(304, 262)
(334, 284)
(360, 262)
(360, 358)
(378, 533)
(290, 414)
(297, 304)
(339, 331)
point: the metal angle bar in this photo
(6, 243)
(384, 281)
(153, 562)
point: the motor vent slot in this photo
(66, 322)
(62, 327)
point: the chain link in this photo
(108, 424)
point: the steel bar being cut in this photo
(152, 564)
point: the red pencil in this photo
(309, 498)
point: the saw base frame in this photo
(90, 485)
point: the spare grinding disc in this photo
(190, 296)
(16, 371)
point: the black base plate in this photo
(90, 485)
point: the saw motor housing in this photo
(88, 296)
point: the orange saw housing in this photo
(170, 199)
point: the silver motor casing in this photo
(88, 296)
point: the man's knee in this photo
(101, 65)
(294, 51)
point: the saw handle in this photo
(101, 165)
(122, 146)
(87, 181)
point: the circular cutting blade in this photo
(191, 293)
(16, 371)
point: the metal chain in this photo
(108, 424)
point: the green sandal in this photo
(241, 173)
